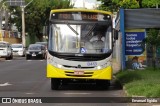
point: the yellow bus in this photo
(80, 46)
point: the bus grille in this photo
(77, 67)
(71, 74)
(86, 58)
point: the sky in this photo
(90, 4)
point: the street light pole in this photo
(1, 15)
(1, 10)
(23, 24)
(23, 28)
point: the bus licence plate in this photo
(78, 72)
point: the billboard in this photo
(135, 49)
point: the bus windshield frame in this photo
(63, 26)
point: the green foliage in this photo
(130, 4)
(153, 37)
(141, 82)
(130, 76)
(143, 88)
(37, 15)
(114, 5)
(153, 40)
(108, 5)
(150, 3)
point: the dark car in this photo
(46, 46)
(42, 43)
(36, 51)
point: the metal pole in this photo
(0, 19)
(1, 13)
(1, 16)
(1, 36)
(157, 5)
(23, 24)
(23, 28)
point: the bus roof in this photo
(80, 10)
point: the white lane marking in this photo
(29, 60)
(29, 93)
(5, 84)
(77, 93)
(9, 60)
(35, 60)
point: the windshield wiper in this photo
(72, 29)
(90, 31)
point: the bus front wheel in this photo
(55, 83)
(104, 84)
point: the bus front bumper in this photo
(103, 74)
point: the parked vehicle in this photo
(6, 50)
(46, 46)
(36, 50)
(18, 50)
(43, 43)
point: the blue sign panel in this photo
(134, 43)
(83, 50)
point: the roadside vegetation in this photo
(36, 15)
(140, 82)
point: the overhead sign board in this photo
(16, 2)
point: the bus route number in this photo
(91, 63)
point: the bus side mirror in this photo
(115, 32)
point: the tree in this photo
(150, 3)
(108, 5)
(114, 5)
(153, 40)
(37, 15)
(127, 3)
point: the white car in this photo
(18, 50)
(6, 50)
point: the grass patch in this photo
(141, 82)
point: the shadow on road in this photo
(115, 85)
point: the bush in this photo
(141, 82)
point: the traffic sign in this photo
(16, 2)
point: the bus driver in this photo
(98, 42)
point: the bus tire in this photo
(104, 84)
(55, 83)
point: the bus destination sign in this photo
(80, 16)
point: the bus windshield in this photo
(80, 38)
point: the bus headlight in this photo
(59, 66)
(103, 66)
(99, 67)
(53, 63)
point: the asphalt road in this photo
(27, 78)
